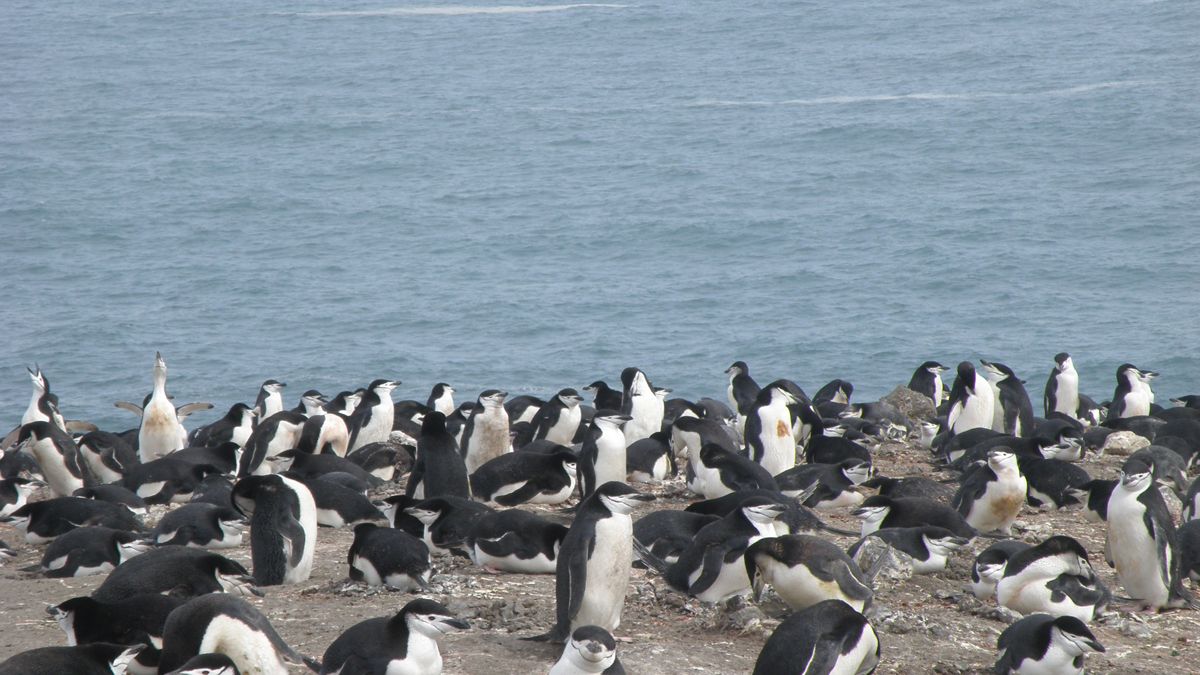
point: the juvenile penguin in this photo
(927, 380)
(1062, 388)
(1012, 412)
(404, 644)
(769, 430)
(594, 562)
(971, 403)
(100, 658)
(742, 390)
(372, 419)
(515, 541)
(590, 650)
(1053, 577)
(989, 565)
(158, 434)
(712, 568)
(439, 470)
(1142, 540)
(56, 454)
(643, 406)
(283, 527)
(270, 398)
(382, 556)
(805, 570)
(485, 435)
(930, 547)
(86, 551)
(991, 496)
(602, 458)
(526, 478)
(200, 525)
(828, 637)
(1041, 644)
(558, 420)
(222, 624)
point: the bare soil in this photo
(926, 624)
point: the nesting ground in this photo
(926, 623)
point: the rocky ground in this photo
(926, 624)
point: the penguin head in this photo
(762, 510)
(1001, 458)
(597, 386)
(856, 470)
(593, 644)
(492, 398)
(427, 511)
(132, 547)
(1068, 550)
(966, 375)
(941, 541)
(383, 387)
(996, 372)
(568, 459)
(633, 376)
(767, 548)
(570, 398)
(775, 394)
(1073, 636)
(1062, 362)
(874, 509)
(738, 368)
(610, 419)
(273, 386)
(40, 385)
(434, 423)
(713, 455)
(619, 498)
(160, 364)
(1136, 475)
(661, 393)
(430, 618)
(933, 368)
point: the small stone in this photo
(892, 564)
(1133, 628)
(1123, 443)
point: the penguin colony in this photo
(421, 483)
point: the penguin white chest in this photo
(159, 433)
(607, 574)
(1000, 503)
(1066, 396)
(610, 457)
(489, 440)
(423, 658)
(249, 649)
(647, 413)
(778, 442)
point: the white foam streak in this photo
(464, 10)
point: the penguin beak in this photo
(759, 587)
(451, 622)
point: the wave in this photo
(462, 10)
(922, 96)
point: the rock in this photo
(910, 403)
(893, 565)
(1132, 628)
(1123, 444)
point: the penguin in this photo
(742, 390)
(1189, 549)
(42, 406)
(221, 456)
(200, 525)
(278, 433)
(805, 570)
(441, 399)
(515, 541)
(50, 518)
(373, 417)
(991, 496)
(379, 459)
(1012, 411)
(106, 455)
(127, 620)
(270, 398)
(558, 420)
(214, 489)
(971, 404)
(522, 408)
(834, 483)
(641, 404)
(1142, 540)
(447, 522)
(1094, 496)
(312, 402)
(1041, 644)
(439, 470)
(166, 479)
(308, 466)
(6, 553)
(236, 427)
(283, 527)
(594, 562)
(989, 566)
(177, 570)
(828, 637)
(394, 508)
(408, 642)
(1054, 577)
(689, 435)
(56, 455)
(207, 664)
(1051, 481)
(344, 402)
(526, 478)
(326, 432)
(651, 459)
(158, 434)
(590, 650)
(821, 447)
(485, 435)
(1133, 396)
(833, 399)
(336, 505)
(712, 569)
(769, 430)
(1167, 467)
(602, 458)
(382, 556)
(1062, 388)
(100, 658)
(604, 397)
(668, 533)
(930, 547)
(917, 487)
(879, 512)
(223, 624)
(927, 380)
(1191, 502)
(14, 493)
(734, 472)
(796, 517)
(87, 551)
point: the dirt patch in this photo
(926, 623)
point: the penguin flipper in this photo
(131, 407)
(849, 580)
(293, 533)
(519, 496)
(974, 485)
(710, 569)
(569, 582)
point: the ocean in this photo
(534, 196)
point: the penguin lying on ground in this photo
(929, 546)
(515, 541)
(1055, 578)
(223, 624)
(101, 658)
(408, 642)
(989, 565)
(828, 637)
(1042, 644)
(805, 570)
(86, 551)
(383, 556)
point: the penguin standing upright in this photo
(283, 527)
(602, 458)
(439, 470)
(1142, 540)
(971, 403)
(643, 406)
(270, 398)
(829, 637)
(441, 399)
(42, 406)
(1062, 388)
(236, 426)
(590, 650)
(558, 420)
(927, 380)
(769, 430)
(604, 397)
(594, 562)
(1012, 413)
(371, 421)
(407, 643)
(1133, 396)
(56, 455)
(159, 432)
(485, 435)
(222, 624)
(742, 390)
